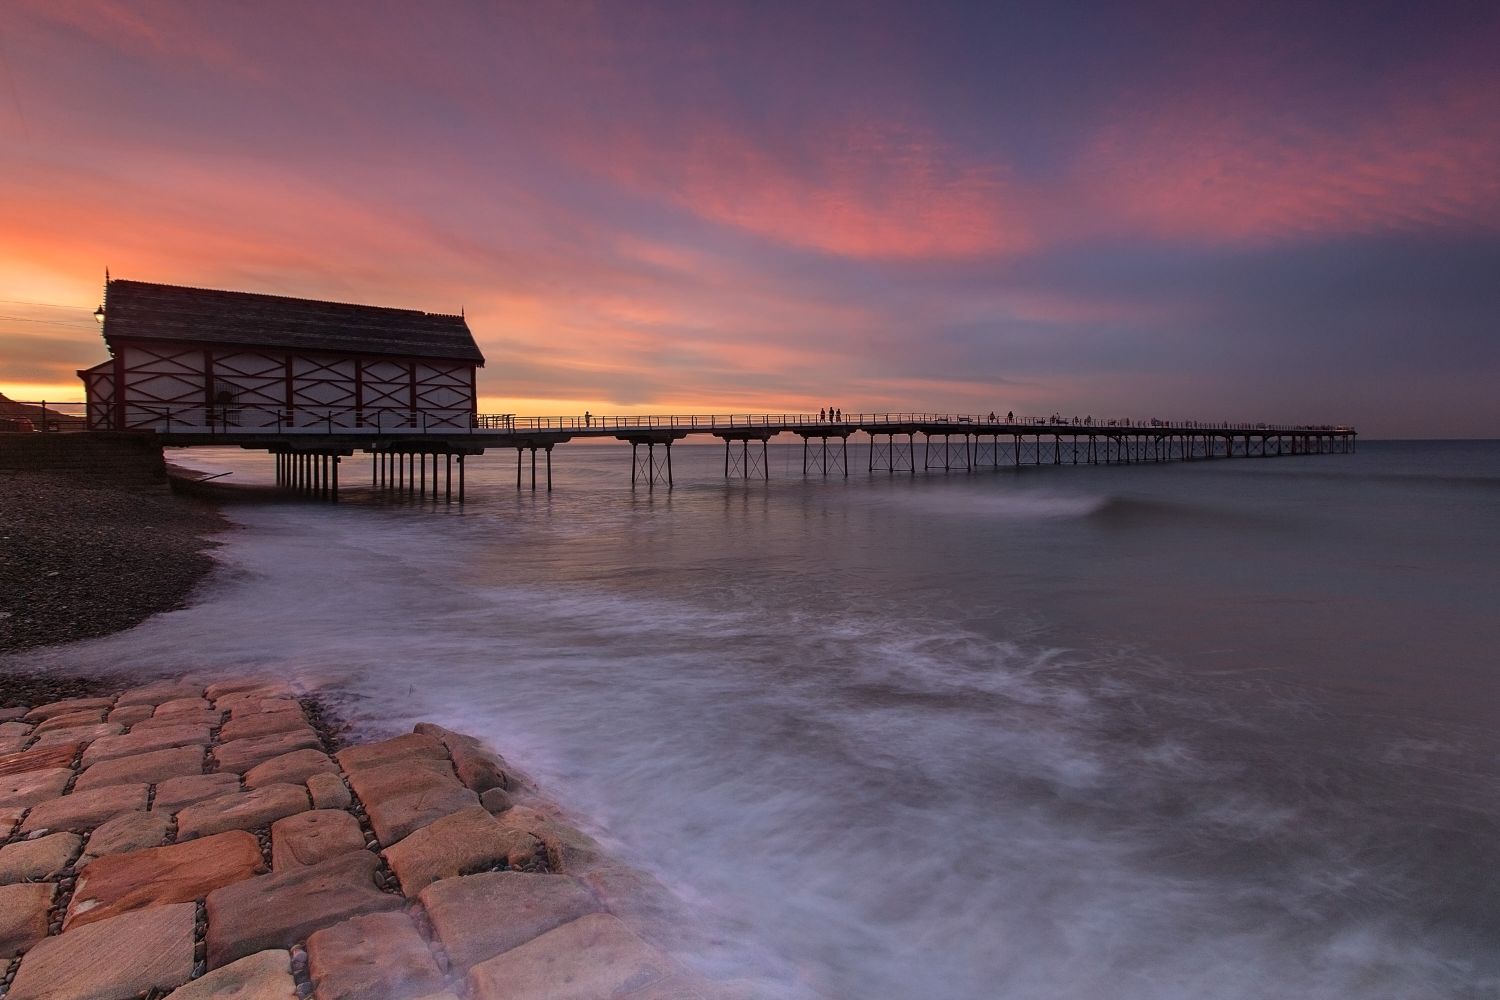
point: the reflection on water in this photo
(1220, 730)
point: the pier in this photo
(425, 452)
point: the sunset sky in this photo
(1285, 213)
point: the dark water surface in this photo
(1225, 729)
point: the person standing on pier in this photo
(822, 415)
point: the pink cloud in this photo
(878, 191)
(1215, 165)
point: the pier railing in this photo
(231, 420)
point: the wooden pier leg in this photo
(422, 476)
(669, 463)
(533, 468)
(518, 468)
(634, 462)
(845, 445)
(726, 458)
(765, 460)
(549, 468)
(448, 477)
(804, 456)
(460, 479)
(336, 460)
(745, 457)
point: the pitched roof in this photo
(146, 311)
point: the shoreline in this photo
(474, 830)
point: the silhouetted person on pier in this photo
(1010, 416)
(822, 415)
(588, 419)
(838, 416)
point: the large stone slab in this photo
(67, 705)
(176, 873)
(240, 685)
(263, 724)
(114, 959)
(465, 842)
(77, 734)
(313, 836)
(160, 691)
(479, 916)
(175, 793)
(42, 858)
(329, 791)
(397, 817)
(69, 719)
(13, 713)
(206, 720)
(266, 975)
(85, 810)
(23, 915)
(15, 728)
(594, 956)
(58, 755)
(184, 706)
(378, 956)
(9, 817)
(242, 755)
(158, 765)
(569, 849)
(280, 909)
(408, 747)
(241, 810)
(293, 767)
(241, 707)
(30, 787)
(132, 831)
(139, 741)
(478, 767)
(405, 795)
(401, 777)
(130, 714)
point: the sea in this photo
(1220, 729)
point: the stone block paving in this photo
(208, 841)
